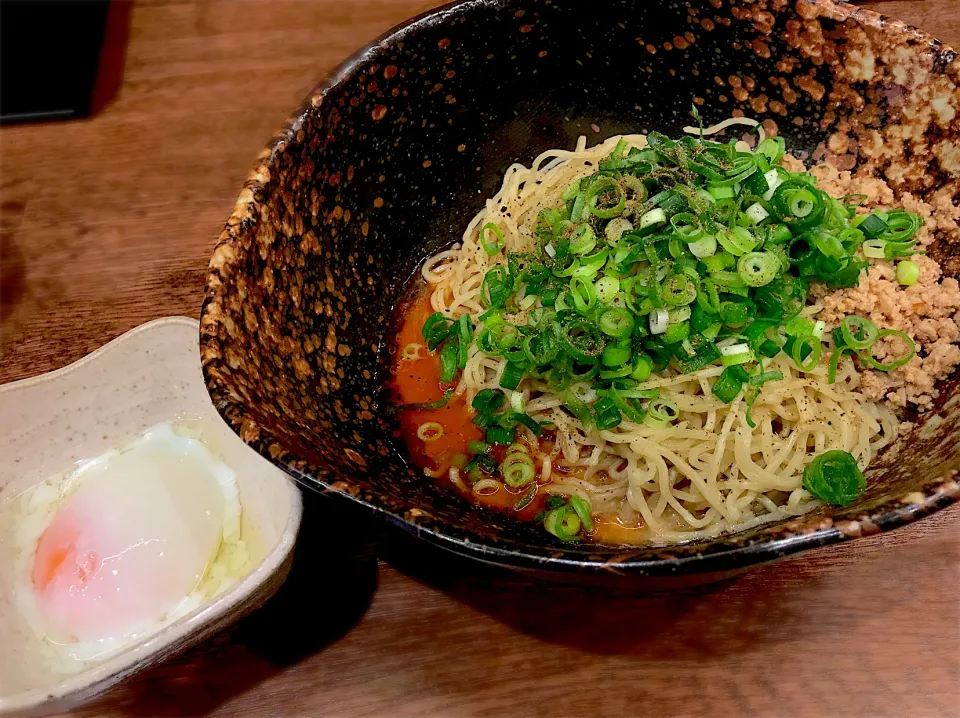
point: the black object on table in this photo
(50, 55)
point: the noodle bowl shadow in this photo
(390, 156)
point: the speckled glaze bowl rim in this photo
(226, 608)
(937, 495)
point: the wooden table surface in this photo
(109, 222)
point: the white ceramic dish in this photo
(149, 375)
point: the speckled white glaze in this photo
(149, 375)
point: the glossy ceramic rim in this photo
(239, 600)
(732, 557)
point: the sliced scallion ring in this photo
(867, 355)
(616, 323)
(583, 239)
(758, 269)
(493, 246)
(858, 333)
(606, 289)
(874, 248)
(653, 217)
(706, 246)
(616, 228)
(812, 360)
(659, 321)
(582, 509)
(757, 213)
(661, 412)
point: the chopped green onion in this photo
(681, 314)
(563, 523)
(526, 499)
(901, 227)
(728, 386)
(583, 293)
(802, 203)
(829, 245)
(875, 248)
(706, 246)
(738, 241)
(773, 148)
(806, 352)
(496, 288)
(427, 405)
(835, 363)
(908, 272)
(435, 330)
(661, 412)
(576, 407)
(719, 193)
(606, 289)
(628, 405)
(512, 376)
(491, 247)
(678, 289)
(580, 339)
(798, 326)
(488, 401)
(582, 509)
(616, 323)
(872, 226)
(449, 361)
(773, 180)
(616, 228)
(716, 269)
(653, 217)
(659, 320)
(734, 314)
(798, 204)
(572, 191)
(615, 355)
(477, 447)
(758, 269)
(591, 264)
(867, 354)
(606, 414)
(834, 478)
(687, 226)
(676, 333)
(465, 332)
(497, 435)
(600, 187)
(756, 384)
(858, 333)
(517, 469)
(757, 213)
(583, 239)
(642, 369)
(540, 349)
(735, 354)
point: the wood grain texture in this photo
(109, 222)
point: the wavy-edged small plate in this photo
(149, 375)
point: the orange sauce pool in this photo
(609, 529)
(416, 381)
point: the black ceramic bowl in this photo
(389, 157)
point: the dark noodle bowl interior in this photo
(389, 158)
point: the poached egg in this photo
(128, 542)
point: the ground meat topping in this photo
(928, 312)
